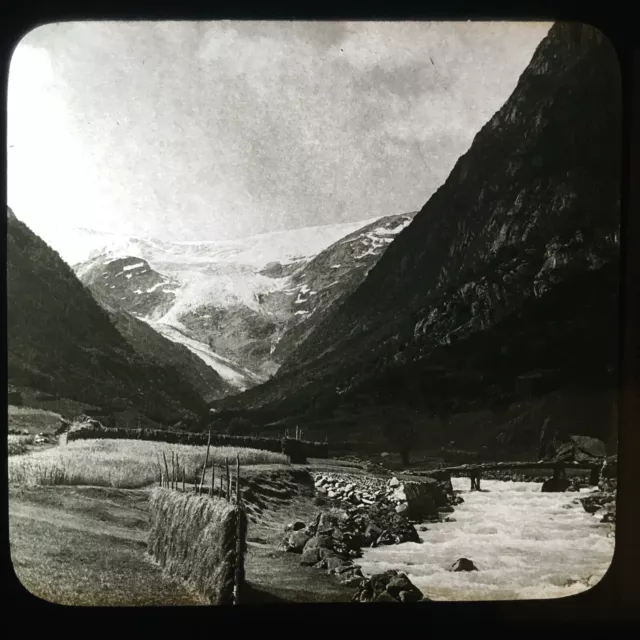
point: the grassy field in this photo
(33, 420)
(121, 463)
(86, 546)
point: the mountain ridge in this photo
(532, 205)
(61, 341)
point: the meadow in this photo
(32, 420)
(123, 464)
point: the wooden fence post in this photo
(213, 477)
(166, 466)
(173, 467)
(206, 460)
(184, 486)
(237, 478)
(226, 461)
(239, 569)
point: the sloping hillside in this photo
(164, 352)
(320, 285)
(510, 270)
(60, 341)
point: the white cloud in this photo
(219, 130)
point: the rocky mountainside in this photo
(503, 289)
(240, 311)
(316, 288)
(60, 341)
(129, 284)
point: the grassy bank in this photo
(121, 463)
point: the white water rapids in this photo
(526, 545)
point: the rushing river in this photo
(526, 545)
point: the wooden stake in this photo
(237, 478)
(206, 460)
(213, 477)
(173, 469)
(184, 486)
(226, 461)
(166, 466)
(177, 470)
(221, 492)
(160, 467)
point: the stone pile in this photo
(423, 497)
(336, 537)
(390, 586)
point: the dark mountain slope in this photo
(509, 270)
(60, 341)
(163, 352)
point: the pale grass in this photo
(125, 464)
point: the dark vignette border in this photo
(613, 598)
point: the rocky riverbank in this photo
(368, 511)
(602, 503)
(335, 538)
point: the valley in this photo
(304, 415)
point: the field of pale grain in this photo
(125, 464)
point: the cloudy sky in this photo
(221, 130)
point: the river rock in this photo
(463, 564)
(555, 485)
(311, 557)
(319, 542)
(296, 542)
(390, 586)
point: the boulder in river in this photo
(555, 485)
(463, 564)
